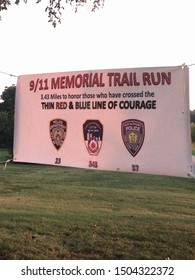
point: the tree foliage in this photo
(193, 131)
(7, 117)
(192, 119)
(54, 8)
(192, 116)
(8, 97)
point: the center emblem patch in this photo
(133, 134)
(93, 136)
(57, 129)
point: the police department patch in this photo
(133, 134)
(93, 136)
(57, 129)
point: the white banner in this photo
(134, 120)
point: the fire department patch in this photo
(133, 134)
(57, 129)
(93, 136)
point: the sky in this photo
(124, 34)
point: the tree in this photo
(8, 97)
(192, 116)
(7, 117)
(54, 8)
(6, 130)
(193, 132)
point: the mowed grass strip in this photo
(49, 212)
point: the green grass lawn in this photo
(49, 212)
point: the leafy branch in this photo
(54, 8)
